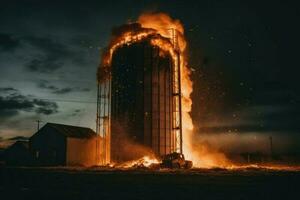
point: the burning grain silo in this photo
(141, 98)
(139, 92)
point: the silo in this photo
(142, 98)
(139, 97)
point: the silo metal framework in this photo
(142, 94)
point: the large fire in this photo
(159, 28)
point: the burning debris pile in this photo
(169, 161)
(144, 162)
(159, 30)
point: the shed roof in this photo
(73, 131)
(21, 143)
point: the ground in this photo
(96, 183)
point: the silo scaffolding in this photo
(103, 119)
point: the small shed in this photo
(65, 145)
(18, 154)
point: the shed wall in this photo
(83, 152)
(48, 147)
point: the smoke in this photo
(250, 142)
(133, 28)
(125, 148)
(207, 155)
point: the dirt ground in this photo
(97, 183)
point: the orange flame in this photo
(157, 27)
(145, 161)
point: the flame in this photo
(159, 28)
(164, 25)
(145, 161)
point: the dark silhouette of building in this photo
(2, 160)
(18, 154)
(57, 144)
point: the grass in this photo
(103, 183)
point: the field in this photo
(97, 183)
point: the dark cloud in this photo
(63, 90)
(45, 54)
(51, 56)
(85, 89)
(8, 42)
(8, 89)
(45, 85)
(51, 108)
(56, 90)
(48, 45)
(43, 64)
(13, 103)
(76, 112)
(51, 53)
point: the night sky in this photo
(243, 55)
